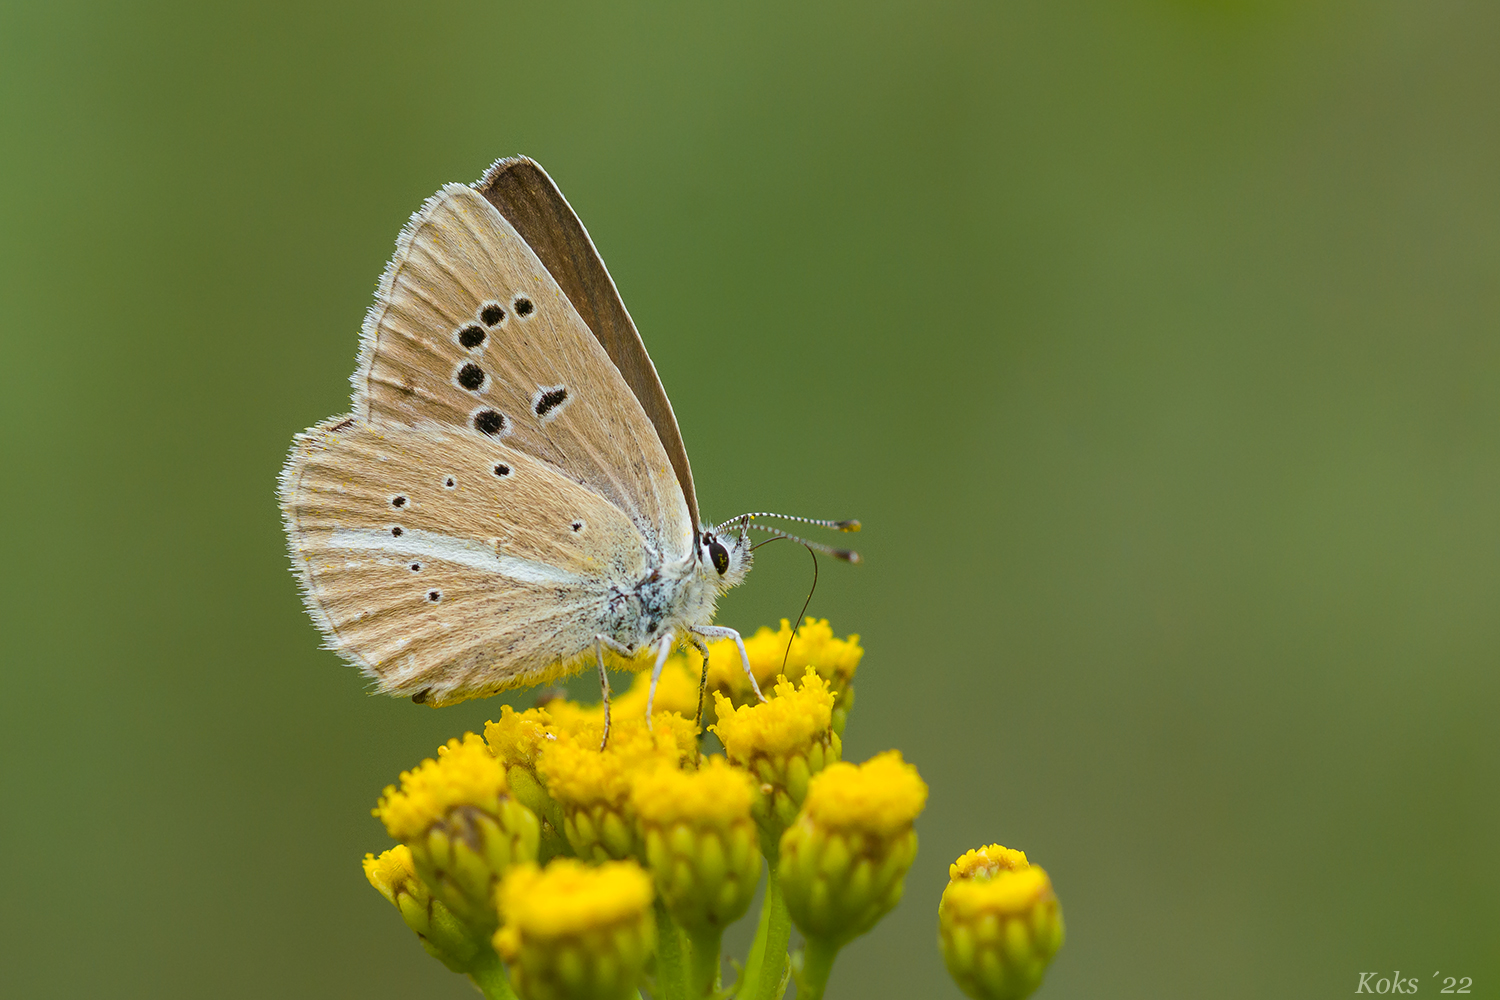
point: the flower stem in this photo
(489, 975)
(750, 976)
(703, 961)
(671, 969)
(817, 963)
(778, 935)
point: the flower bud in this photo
(445, 937)
(576, 932)
(516, 739)
(783, 743)
(699, 841)
(592, 786)
(462, 826)
(782, 653)
(844, 860)
(999, 924)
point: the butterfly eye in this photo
(720, 555)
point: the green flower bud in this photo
(463, 828)
(445, 937)
(844, 861)
(576, 932)
(999, 924)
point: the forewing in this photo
(471, 332)
(528, 199)
(447, 565)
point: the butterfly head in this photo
(725, 554)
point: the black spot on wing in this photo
(549, 399)
(523, 306)
(489, 422)
(471, 336)
(502, 470)
(491, 313)
(470, 376)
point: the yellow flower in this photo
(517, 739)
(844, 860)
(782, 742)
(445, 937)
(593, 786)
(676, 691)
(999, 924)
(700, 846)
(576, 932)
(463, 827)
(834, 660)
(985, 862)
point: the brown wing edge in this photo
(522, 192)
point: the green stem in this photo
(817, 963)
(703, 971)
(750, 976)
(671, 968)
(489, 975)
(778, 935)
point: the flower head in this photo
(844, 860)
(986, 862)
(592, 786)
(517, 739)
(999, 924)
(462, 826)
(782, 743)
(699, 841)
(574, 931)
(445, 937)
(779, 652)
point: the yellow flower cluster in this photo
(546, 867)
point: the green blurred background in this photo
(1155, 343)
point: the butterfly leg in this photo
(702, 680)
(720, 632)
(661, 661)
(603, 687)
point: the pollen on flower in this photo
(883, 795)
(576, 770)
(1009, 891)
(569, 897)
(517, 737)
(714, 794)
(464, 773)
(986, 862)
(785, 724)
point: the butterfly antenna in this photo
(847, 555)
(850, 525)
(801, 614)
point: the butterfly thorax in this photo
(677, 596)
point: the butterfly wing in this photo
(470, 331)
(528, 199)
(447, 565)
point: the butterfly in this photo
(509, 495)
